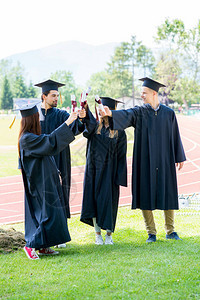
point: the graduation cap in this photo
(26, 110)
(110, 102)
(49, 85)
(152, 84)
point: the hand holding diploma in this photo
(82, 113)
(105, 112)
(73, 116)
(84, 97)
(98, 100)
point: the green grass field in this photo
(9, 153)
(129, 269)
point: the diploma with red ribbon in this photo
(74, 103)
(100, 106)
(84, 97)
(98, 100)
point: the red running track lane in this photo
(12, 194)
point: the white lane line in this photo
(196, 133)
(11, 203)
(189, 172)
(8, 193)
(190, 141)
(188, 161)
(193, 163)
(10, 210)
(186, 184)
(21, 215)
(14, 183)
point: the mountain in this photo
(80, 58)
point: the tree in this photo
(173, 32)
(145, 58)
(31, 91)
(19, 87)
(168, 71)
(186, 92)
(98, 83)
(128, 57)
(185, 42)
(6, 95)
(119, 77)
(133, 60)
(5, 67)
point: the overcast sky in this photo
(24, 27)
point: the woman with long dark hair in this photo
(105, 171)
(45, 217)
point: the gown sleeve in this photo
(90, 125)
(44, 145)
(179, 153)
(77, 126)
(123, 119)
(121, 176)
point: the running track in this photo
(11, 188)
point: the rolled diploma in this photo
(74, 103)
(98, 100)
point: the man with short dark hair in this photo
(157, 151)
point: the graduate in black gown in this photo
(45, 216)
(50, 119)
(157, 151)
(105, 171)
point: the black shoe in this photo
(173, 236)
(151, 238)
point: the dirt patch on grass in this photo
(11, 239)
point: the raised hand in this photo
(73, 116)
(106, 112)
(82, 113)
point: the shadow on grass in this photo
(129, 241)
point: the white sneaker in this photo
(108, 240)
(60, 246)
(99, 239)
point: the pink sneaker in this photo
(30, 252)
(47, 251)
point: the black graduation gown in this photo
(53, 119)
(45, 216)
(157, 147)
(105, 170)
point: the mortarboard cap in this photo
(28, 109)
(110, 102)
(152, 84)
(49, 85)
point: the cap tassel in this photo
(61, 102)
(11, 125)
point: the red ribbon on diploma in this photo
(74, 103)
(84, 95)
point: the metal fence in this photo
(189, 202)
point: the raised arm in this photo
(122, 119)
(51, 144)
